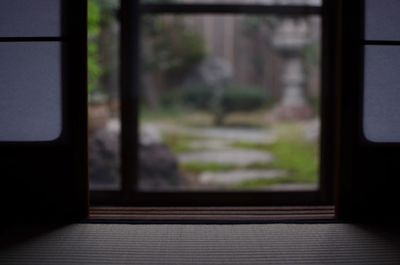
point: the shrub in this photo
(171, 99)
(232, 99)
(238, 99)
(242, 99)
(198, 97)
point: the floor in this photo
(205, 244)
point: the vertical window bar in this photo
(129, 94)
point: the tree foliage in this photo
(100, 13)
(94, 69)
(168, 47)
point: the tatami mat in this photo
(206, 244)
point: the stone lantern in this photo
(289, 40)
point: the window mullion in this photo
(229, 9)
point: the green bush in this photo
(198, 97)
(232, 99)
(171, 99)
(242, 99)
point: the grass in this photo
(196, 118)
(298, 158)
(162, 114)
(251, 145)
(197, 168)
(253, 119)
(261, 166)
(292, 154)
(262, 183)
(180, 143)
(177, 115)
(296, 155)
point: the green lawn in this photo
(179, 142)
(292, 154)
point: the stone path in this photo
(232, 134)
(215, 146)
(210, 144)
(293, 187)
(237, 176)
(227, 157)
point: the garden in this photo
(248, 151)
(211, 116)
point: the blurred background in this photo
(227, 102)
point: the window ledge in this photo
(212, 214)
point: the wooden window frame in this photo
(213, 215)
(130, 15)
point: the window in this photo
(211, 37)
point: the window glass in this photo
(382, 93)
(30, 18)
(30, 91)
(229, 102)
(103, 93)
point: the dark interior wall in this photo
(368, 184)
(47, 181)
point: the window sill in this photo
(212, 214)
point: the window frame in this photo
(130, 12)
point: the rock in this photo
(212, 144)
(312, 130)
(104, 159)
(292, 113)
(247, 135)
(293, 187)
(158, 168)
(150, 134)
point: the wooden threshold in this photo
(212, 214)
